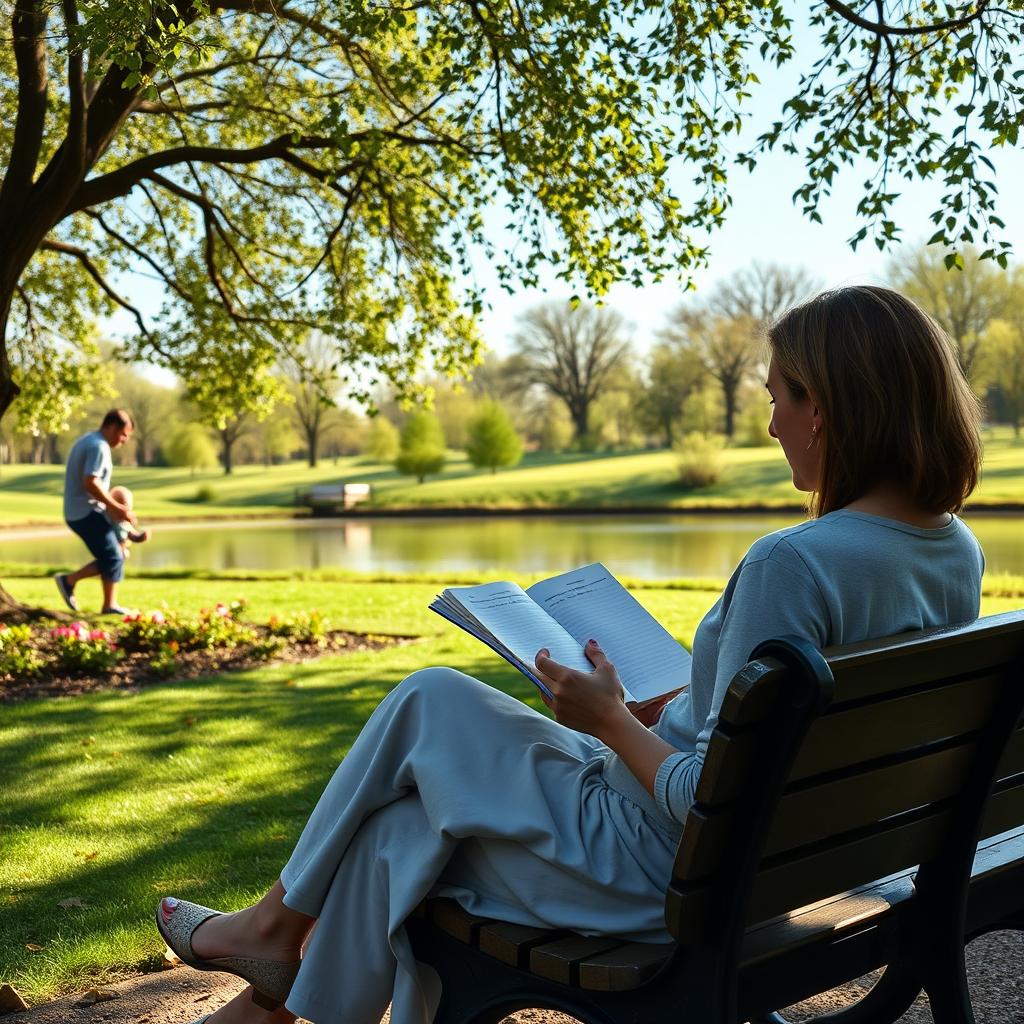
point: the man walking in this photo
(86, 497)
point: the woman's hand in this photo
(589, 702)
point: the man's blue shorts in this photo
(101, 539)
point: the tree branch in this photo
(140, 253)
(77, 109)
(148, 107)
(28, 27)
(883, 28)
(82, 256)
(124, 179)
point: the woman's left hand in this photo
(588, 702)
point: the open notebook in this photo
(562, 614)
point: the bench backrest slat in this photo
(875, 784)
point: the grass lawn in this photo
(752, 476)
(199, 789)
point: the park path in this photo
(995, 965)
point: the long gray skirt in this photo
(453, 788)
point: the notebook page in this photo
(453, 613)
(590, 602)
(512, 618)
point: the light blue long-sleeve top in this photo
(845, 577)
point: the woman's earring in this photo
(814, 437)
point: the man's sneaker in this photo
(66, 590)
(114, 609)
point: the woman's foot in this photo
(242, 1010)
(242, 934)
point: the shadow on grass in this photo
(222, 849)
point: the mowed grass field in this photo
(200, 788)
(750, 477)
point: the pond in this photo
(652, 547)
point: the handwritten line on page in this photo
(590, 602)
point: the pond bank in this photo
(39, 527)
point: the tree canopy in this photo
(280, 167)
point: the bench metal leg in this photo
(947, 989)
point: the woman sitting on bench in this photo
(453, 788)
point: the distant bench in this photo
(325, 499)
(835, 830)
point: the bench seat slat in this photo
(560, 960)
(451, 918)
(511, 943)
(622, 969)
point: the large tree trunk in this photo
(729, 389)
(11, 610)
(312, 443)
(228, 443)
(580, 413)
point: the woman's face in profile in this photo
(792, 424)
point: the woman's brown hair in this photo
(894, 403)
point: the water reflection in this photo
(655, 547)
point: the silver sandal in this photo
(271, 980)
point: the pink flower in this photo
(222, 610)
(132, 617)
(157, 617)
(97, 634)
(79, 630)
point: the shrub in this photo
(382, 440)
(18, 655)
(165, 661)
(493, 440)
(698, 460)
(300, 628)
(148, 631)
(80, 649)
(422, 450)
(204, 495)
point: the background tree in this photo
(232, 387)
(571, 353)
(152, 407)
(1002, 366)
(382, 439)
(274, 439)
(729, 347)
(761, 292)
(422, 447)
(189, 445)
(963, 298)
(311, 371)
(493, 440)
(673, 372)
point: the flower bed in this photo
(146, 647)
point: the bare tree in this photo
(762, 292)
(312, 373)
(727, 329)
(571, 352)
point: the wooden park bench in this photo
(330, 499)
(835, 831)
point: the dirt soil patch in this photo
(133, 671)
